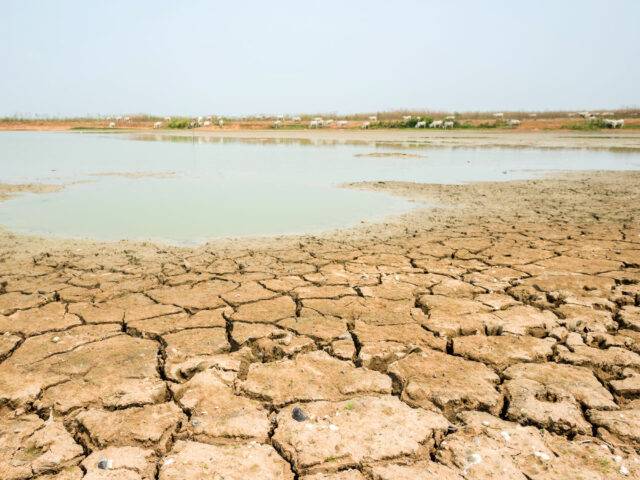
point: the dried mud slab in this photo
(311, 376)
(335, 435)
(30, 446)
(437, 381)
(217, 414)
(199, 461)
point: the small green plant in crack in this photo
(349, 406)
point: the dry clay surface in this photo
(499, 338)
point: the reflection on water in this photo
(185, 188)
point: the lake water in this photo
(190, 188)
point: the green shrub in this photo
(179, 123)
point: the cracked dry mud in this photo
(497, 337)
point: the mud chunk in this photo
(549, 407)
(31, 446)
(509, 255)
(319, 327)
(120, 463)
(590, 266)
(362, 430)
(49, 317)
(327, 291)
(487, 448)
(578, 382)
(7, 343)
(147, 427)
(454, 316)
(497, 301)
(248, 292)
(433, 379)
(97, 313)
(375, 311)
(502, 351)
(153, 310)
(525, 320)
(311, 376)
(266, 311)
(620, 428)
(609, 361)
(580, 318)
(199, 461)
(456, 289)
(185, 350)
(154, 327)
(217, 413)
(383, 344)
(115, 373)
(10, 302)
(571, 285)
(630, 317)
(205, 295)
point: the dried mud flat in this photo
(499, 338)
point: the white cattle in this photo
(498, 114)
(513, 122)
(314, 124)
(112, 125)
(342, 123)
(296, 119)
(221, 123)
(448, 124)
(421, 124)
(127, 119)
(167, 119)
(157, 125)
(277, 124)
(365, 125)
(206, 123)
(200, 119)
(610, 123)
(436, 124)
(373, 118)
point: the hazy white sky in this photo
(73, 57)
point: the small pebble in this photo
(55, 339)
(333, 428)
(624, 470)
(505, 435)
(542, 456)
(105, 464)
(298, 415)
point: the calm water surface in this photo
(207, 187)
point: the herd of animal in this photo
(319, 122)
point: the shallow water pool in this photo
(186, 189)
